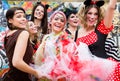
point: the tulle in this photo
(74, 63)
(92, 68)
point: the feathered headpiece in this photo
(97, 3)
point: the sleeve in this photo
(112, 49)
(103, 29)
(39, 54)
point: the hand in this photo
(37, 74)
(44, 79)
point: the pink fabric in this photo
(75, 63)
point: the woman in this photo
(94, 27)
(18, 47)
(72, 22)
(51, 46)
(39, 17)
(32, 28)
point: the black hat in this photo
(68, 12)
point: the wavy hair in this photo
(84, 10)
(44, 22)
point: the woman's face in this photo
(57, 23)
(39, 12)
(92, 16)
(19, 19)
(73, 20)
(32, 27)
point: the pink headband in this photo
(56, 12)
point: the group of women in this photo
(72, 53)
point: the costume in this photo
(96, 40)
(76, 33)
(14, 74)
(37, 43)
(96, 43)
(112, 48)
(63, 58)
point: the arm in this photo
(109, 13)
(19, 52)
(39, 55)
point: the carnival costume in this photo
(64, 59)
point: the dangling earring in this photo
(95, 24)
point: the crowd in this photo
(70, 47)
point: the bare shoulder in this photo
(24, 33)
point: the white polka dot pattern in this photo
(92, 37)
(88, 39)
(115, 76)
(103, 29)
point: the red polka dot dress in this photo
(96, 40)
(96, 43)
(115, 76)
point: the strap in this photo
(76, 33)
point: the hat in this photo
(68, 12)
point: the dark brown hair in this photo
(44, 22)
(10, 14)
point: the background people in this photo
(112, 48)
(33, 29)
(72, 22)
(39, 17)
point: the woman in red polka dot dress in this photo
(95, 28)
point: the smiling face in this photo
(32, 27)
(58, 22)
(19, 19)
(73, 20)
(39, 12)
(92, 16)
